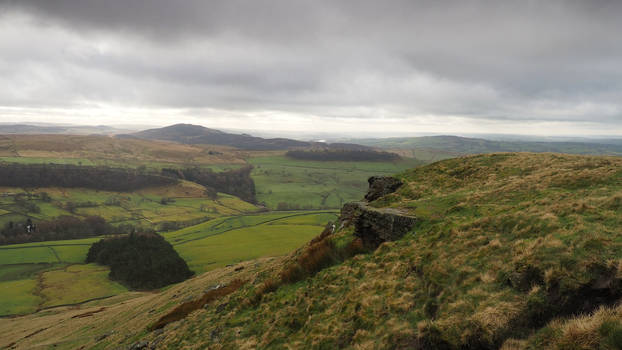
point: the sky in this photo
(550, 67)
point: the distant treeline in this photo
(57, 175)
(140, 261)
(63, 227)
(236, 182)
(343, 155)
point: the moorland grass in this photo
(505, 243)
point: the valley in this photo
(487, 237)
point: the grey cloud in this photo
(556, 60)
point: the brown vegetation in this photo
(186, 308)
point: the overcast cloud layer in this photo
(546, 67)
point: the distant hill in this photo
(450, 146)
(196, 134)
(59, 129)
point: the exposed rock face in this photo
(375, 226)
(380, 186)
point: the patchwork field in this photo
(285, 183)
(183, 202)
(44, 274)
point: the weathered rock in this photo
(380, 186)
(139, 345)
(374, 225)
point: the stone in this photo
(381, 186)
(139, 345)
(374, 225)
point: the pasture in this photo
(183, 202)
(45, 274)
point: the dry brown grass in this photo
(105, 147)
(183, 310)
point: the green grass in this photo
(504, 244)
(244, 244)
(128, 163)
(224, 241)
(315, 184)
(27, 255)
(78, 283)
(143, 207)
(206, 246)
(17, 297)
(22, 271)
(72, 254)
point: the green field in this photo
(285, 183)
(57, 266)
(226, 241)
(139, 208)
(77, 283)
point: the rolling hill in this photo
(199, 135)
(196, 134)
(443, 147)
(510, 251)
(106, 150)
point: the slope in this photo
(503, 244)
(442, 147)
(196, 134)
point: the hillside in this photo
(38, 129)
(502, 246)
(111, 151)
(199, 135)
(443, 147)
(196, 134)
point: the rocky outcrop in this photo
(380, 186)
(374, 225)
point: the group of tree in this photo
(140, 261)
(343, 155)
(65, 175)
(237, 182)
(62, 227)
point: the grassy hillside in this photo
(43, 274)
(285, 183)
(511, 251)
(432, 148)
(183, 202)
(196, 134)
(110, 151)
(505, 244)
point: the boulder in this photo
(380, 186)
(374, 225)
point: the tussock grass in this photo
(511, 251)
(186, 308)
(506, 243)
